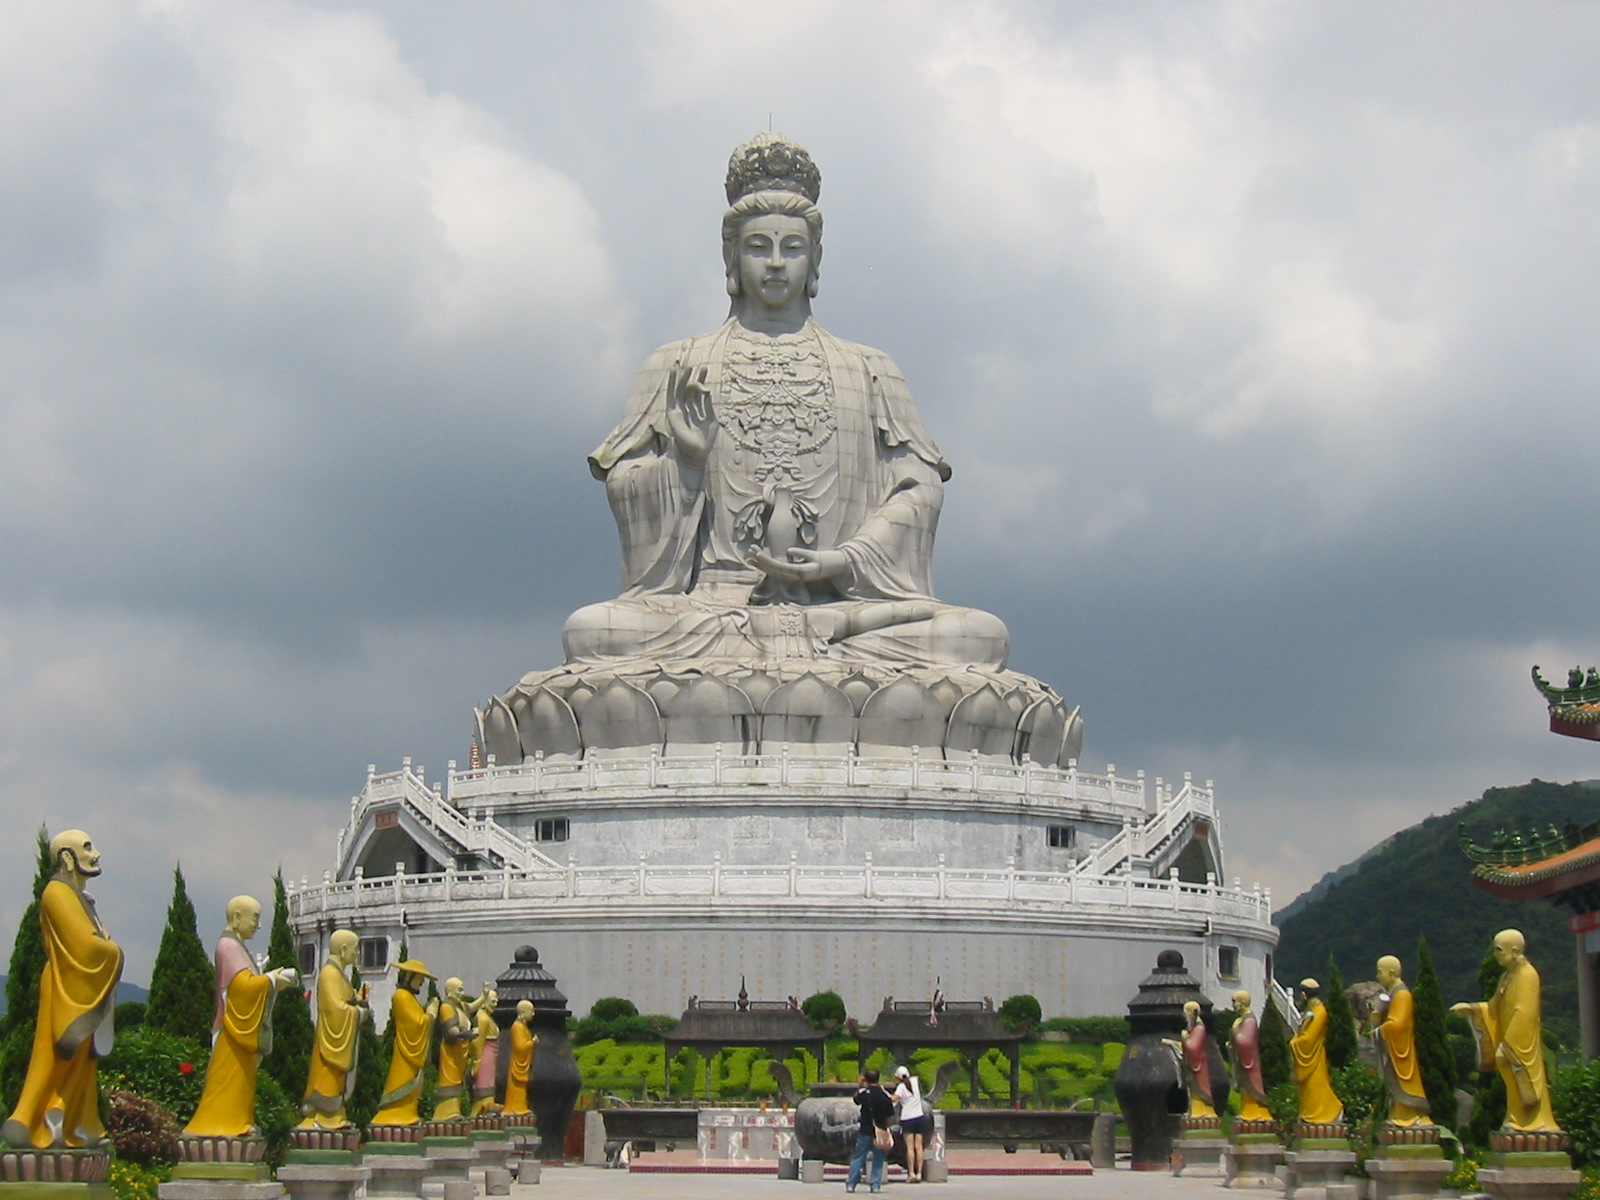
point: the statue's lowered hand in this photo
(804, 566)
(690, 414)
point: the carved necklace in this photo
(777, 401)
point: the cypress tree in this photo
(371, 1064)
(22, 986)
(183, 981)
(292, 1032)
(1274, 1046)
(1434, 1052)
(1341, 1037)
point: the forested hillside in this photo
(1421, 883)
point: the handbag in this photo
(882, 1139)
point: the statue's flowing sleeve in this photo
(656, 498)
(87, 967)
(891, 552)
(338, 1020)
(1196, 1056)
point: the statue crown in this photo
(770, 162)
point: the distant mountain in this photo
(1419, 882)
(125, 991)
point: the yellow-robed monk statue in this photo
(519, 1068)
(412, 1025)
(60, 1101)
(456, 1029)
(1319, 1104)
(1508, 1029)
(1395, 1032)
(333, 1053)
(241, 1031)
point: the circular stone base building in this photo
(776, 755)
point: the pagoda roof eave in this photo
(1543, 878)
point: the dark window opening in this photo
(1228, 962)
(375, 954)
(1060, 837)
(551, 829)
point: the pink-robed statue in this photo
(1194, 1059)
(1247, 1078)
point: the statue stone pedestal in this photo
(1251, 1160)
(322, 1181)
(65, 1173)
(1408, 1170)
(1197, 1154)
(492, 1148)
(1317, 1170)
(221, 1168)
(1528, 1175)
(449, 1159)
(398, 1168)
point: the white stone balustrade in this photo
(779, 883)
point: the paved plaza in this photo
(591, 1183)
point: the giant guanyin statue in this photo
(777, 496)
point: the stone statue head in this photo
(1388, 969)
(342, 947)
(771, 177)
(1241, 1002)
(1191, 1013)
(1310, 990)
(452, 989)
(524, 1011)
(1509, 947)
(74, 855)
(244, 916)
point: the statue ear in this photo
(733, 281)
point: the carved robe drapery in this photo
(402, 1088)
(77, 992)
(241, 1035)
(827, 422)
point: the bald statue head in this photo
(342, 947)
(1191, 1012)
(452, 989)
(1510, 947)
(74, 856)
(524, 1011)
(1388, 971)
(244, 917)
(1241, 1002)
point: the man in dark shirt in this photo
(877, 1111)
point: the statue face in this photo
(1241, 1004)
(244, 919)
(452, 989)
(342, 950)
(774, 259)
(1507, 950)
(1387, 975)
(84, 859)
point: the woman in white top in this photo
(915, 1121)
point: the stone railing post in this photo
(850, 766)
(450, 882)
(505, 881)
(716, 869)
(572, 877)
(538, 770)
(975, 779)
(449, 781)
(866, 878)
(794, 871)
(1011, 877)
(944, 878)
(399, 884)
(655, 763)
(641, 875)
(783, 764)
(716, 764)
(916, 767)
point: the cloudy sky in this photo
(1261, 336)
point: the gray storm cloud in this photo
(1259, 337)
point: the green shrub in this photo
(135, 1181)
(1283, 1102)
(1111, 1057)
(1019, 1010)
(161, 1066)
(129, 1015)
(276, 1114)
(822, 1007)
(1089, 1029)
(609, 1008)
(140, 1129)
(1576, 1095)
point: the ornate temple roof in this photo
(1533, 866)
(1574, 709)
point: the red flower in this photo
(185, 1068)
